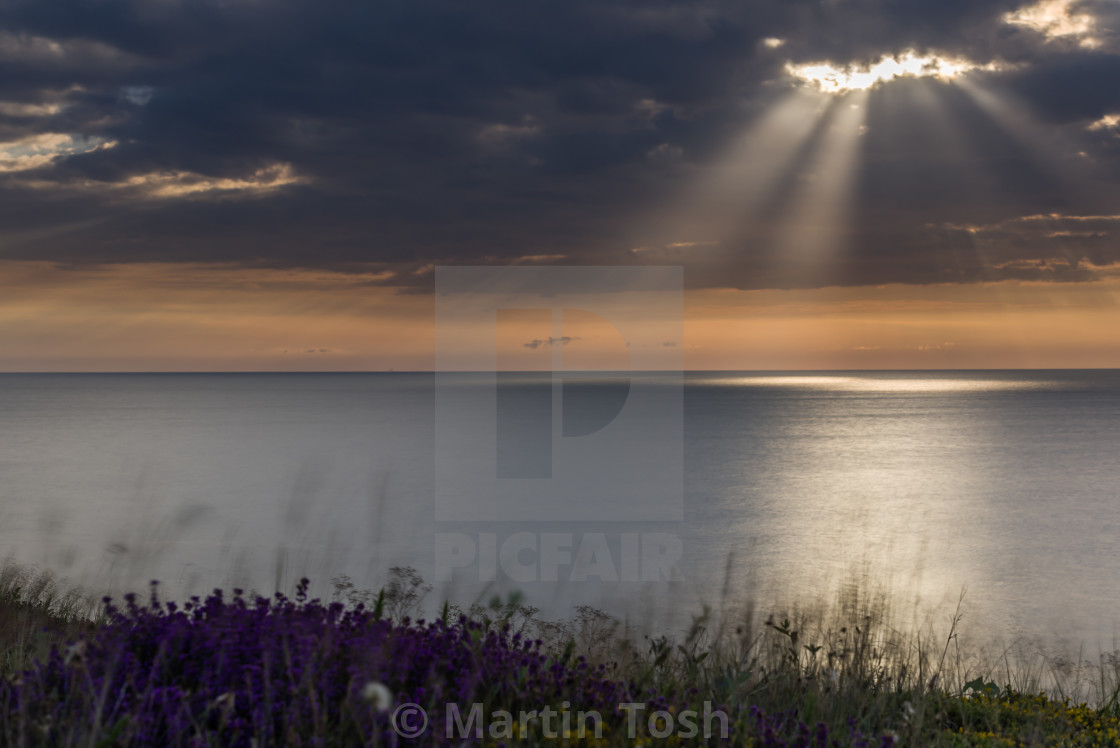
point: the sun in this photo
(839, 79)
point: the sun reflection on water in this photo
(877, 384)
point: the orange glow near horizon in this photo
(198, 318)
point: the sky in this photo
(246, 185)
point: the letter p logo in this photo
(558, 394)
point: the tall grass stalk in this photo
(37, 610)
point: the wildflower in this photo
(378, 695)
(75, 652)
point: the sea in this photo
(989, 495)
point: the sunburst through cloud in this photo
(835, 79)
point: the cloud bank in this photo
(394, 136)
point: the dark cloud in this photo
(406, 133)
(1069, 87)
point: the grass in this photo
(242, 670)
(36, 613)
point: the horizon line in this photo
(556, 371)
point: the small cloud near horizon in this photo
(538, 343)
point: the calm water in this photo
(1007, 482)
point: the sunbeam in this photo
(814, 224)
(782, 193)
(1048, 152)
(738, 185)
(782, 197)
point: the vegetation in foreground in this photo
(251, 671)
